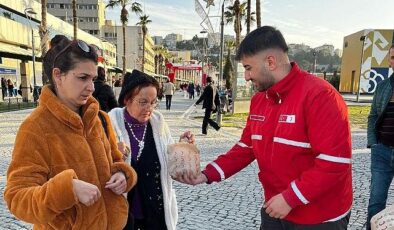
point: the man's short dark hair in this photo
(263, 38)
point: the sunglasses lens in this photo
(83, 46)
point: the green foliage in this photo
(334, 81)
(305, 60)
(228, 72)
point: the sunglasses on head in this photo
(78, 43)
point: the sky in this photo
(311, 22)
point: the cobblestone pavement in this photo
(232, 204)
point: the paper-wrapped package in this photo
(183, 158)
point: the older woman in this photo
(152, 201)
(65, 173)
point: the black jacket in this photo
(210, 98)
(105, 96)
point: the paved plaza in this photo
(232, 204)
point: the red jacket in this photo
(298, 131)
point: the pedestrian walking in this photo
(10, 86)
(168, 91)
(4, 87)
(298, 131)
(198, 89)
(152, 202)
(381, 141)
(65, 172)
(211, 104)
(190, 90)
(103, 92)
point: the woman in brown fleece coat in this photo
(65, 173)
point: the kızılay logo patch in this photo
(287, 119)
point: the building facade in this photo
(90, 14)
(365, 60)
(134, 48)
(16, 44)
(171, 39)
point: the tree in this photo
(248, 21)
(258, 13)
(228, 71)
(235, 14)
(43, 31)
(143, 22)
(75, 19)
(135, 7)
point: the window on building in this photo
(61, 6)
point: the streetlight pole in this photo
(219, 113)
(314, 64)
(203, 52)
(29, 11)
(362, 38)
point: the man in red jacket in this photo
(298, 131)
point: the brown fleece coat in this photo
(53, 146)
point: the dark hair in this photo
(209, 79)
(261, 39)
(133, 83)
(100, 74)
(70, 56)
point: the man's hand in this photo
(187, 137)
(188, 178)
(86, 193)
(277, 207)
(117, 183)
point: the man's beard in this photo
(265, 81)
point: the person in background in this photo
(142, 128)
(190, 90)
(381, 141)
(65, 172)
(168, 91)
(103, 92)
(10, 86)
(298, 131)
(198, 89)
(211, 103)
(4, 87)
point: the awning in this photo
(16, 52)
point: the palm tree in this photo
(248, 16)
(143, 22)
(228, 70)
(235, 14)
(75, 19)
(258, 13)
(124, 18)
(43, 36)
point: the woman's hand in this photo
(117, 183)
(86, 193)
(187, 137)
(124, 149)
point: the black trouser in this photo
(168, 101)
(4, 92)
(207, 120)
(270, 223)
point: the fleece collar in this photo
(65, 115)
